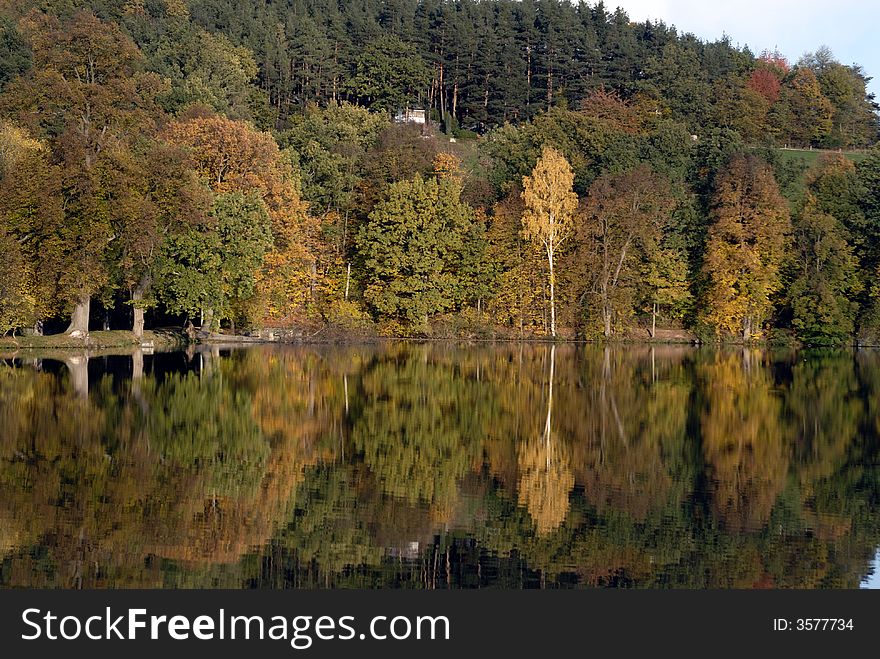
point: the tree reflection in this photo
(744, 443)
(545, 473)
(440, 466)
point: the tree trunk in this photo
(548, 423)
(552, 294)
(210, 357)
(79, 319)
(137, 296)
(78, 365)
(747, 329)
(137, 365)
(207, 322)
(137, 325)
(137, 372)
(606, 318)
(654, 321)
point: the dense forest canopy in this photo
(237, 163)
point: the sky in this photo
(850, 28)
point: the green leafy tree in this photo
(15, 56)
(803, 116)
(204, 68)
(822, 293)
(412, 247)
(211, 270)
(854, 122)
(666, 284)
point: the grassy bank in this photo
(95, 340)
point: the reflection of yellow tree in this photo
(743, 441)
(545, 483)
(546, 478)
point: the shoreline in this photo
(172, 339)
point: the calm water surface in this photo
(434, 466)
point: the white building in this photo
(411, 116)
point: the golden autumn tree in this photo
(550, 203)
(447, 165)
(518, 298)
(745, 248)
(27, 205)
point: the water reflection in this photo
(434, 466)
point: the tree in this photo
(204, 68)
(412, 247)
(854, 122)
(821, 295)
(743, 108)
(666, 283)
(518, 297)
(682, 82)
(625, 217)
(15, 56)
(764, 80)
(211, 269)
(164, 198)
(88, 96)
(549, 203)
(745, 249)
(230, 156)
(31, 230)
(389, 74)
(803, 116)
(17, 301)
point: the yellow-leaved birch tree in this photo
(550, 203)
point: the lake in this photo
(406, 465)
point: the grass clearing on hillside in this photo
(811, 156)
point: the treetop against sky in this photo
(793, 27)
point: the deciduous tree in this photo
(746, 248)
(624, 219)
(825, 284)
(413, 245)
(550, 203)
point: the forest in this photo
(242, 166)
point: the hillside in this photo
(238, 165)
